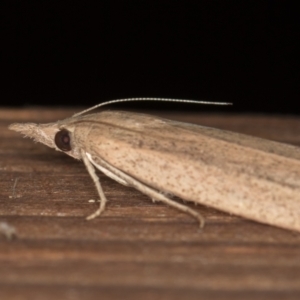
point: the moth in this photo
(242, 175)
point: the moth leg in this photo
(106, 171)
(152, 193)
(95, 178)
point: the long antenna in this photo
(149, 99)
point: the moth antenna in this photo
(150, 99)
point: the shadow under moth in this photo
(247, 176)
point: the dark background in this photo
(82, 53)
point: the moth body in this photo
(242, 175)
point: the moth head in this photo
(52, 135)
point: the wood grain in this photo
(137, 249)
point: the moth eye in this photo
(63, 140)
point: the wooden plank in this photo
(137, 249)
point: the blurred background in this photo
(77, 53)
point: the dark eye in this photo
(62, 140)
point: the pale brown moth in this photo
(247, 176)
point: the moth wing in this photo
(239, 174)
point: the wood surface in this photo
(137, 249)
